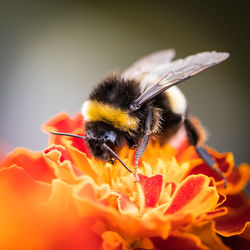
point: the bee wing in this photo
(179, 71)
(144, 70)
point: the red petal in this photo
(80, 144)
(216, 213)
(234, 177)
(224, 161)
(63, 123)
(179, 241)
(237, 218)
(152, 188)
(238, 179)
(222, 199)
(206, 170)
(236, 243)
(188, 192)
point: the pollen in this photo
(120, 119)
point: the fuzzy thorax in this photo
(120, 119)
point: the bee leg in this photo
(210, 162)
(193, 137)
(140, 150)
(143, 144)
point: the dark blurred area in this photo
(52, 53)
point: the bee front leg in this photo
(140, 150)
(143, 144)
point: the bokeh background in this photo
(53, 52)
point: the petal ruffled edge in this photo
(32, 162)
(238, 217)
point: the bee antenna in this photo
(71, 135)
(115, 155)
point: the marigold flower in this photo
(62, 198)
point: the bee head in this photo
(103, 142)
(99, 134)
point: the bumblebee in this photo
(144, 103)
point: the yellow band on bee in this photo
(120, 119)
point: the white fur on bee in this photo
(177, 100)
(85, 110)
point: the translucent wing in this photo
(179, 71)
(147, 69)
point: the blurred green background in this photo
(52, 53)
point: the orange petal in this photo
(81, 160)
(144, 243)
(173, 187)
(56, 153)
(111, 240)
(56, 157)
(65, 232)
(186, 155)
(21, 185)
(128, 225)
(88, 189)
(32, 162)
(125, 205)
(155, 151)
(21, 197)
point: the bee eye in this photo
(88, 134)
(110, 136)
